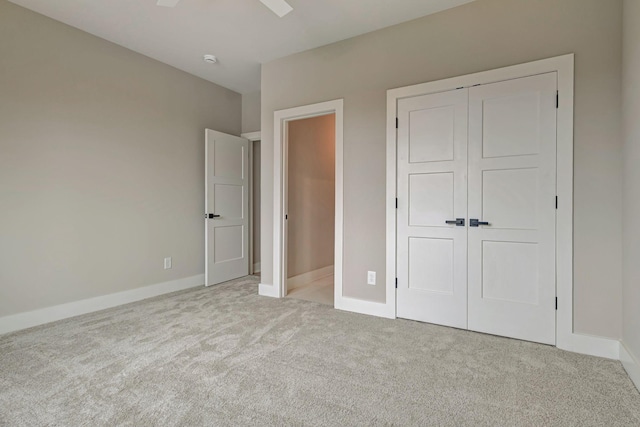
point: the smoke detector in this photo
(210, 59)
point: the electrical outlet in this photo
(371, 277)
(167, 263)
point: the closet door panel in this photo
(432, 190)
(512, 189)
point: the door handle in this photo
(476, 223)
(211, 216)
(458, 222)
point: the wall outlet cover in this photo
(371, 277)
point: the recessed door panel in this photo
(510, 272)
(431, 199)
(228, 201)
(229, 159)
(431, 134)
(228, 243)
(431, 265)
(510, 198)
(511, 124)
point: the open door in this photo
(226, 207)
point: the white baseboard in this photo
(306, 278)
(631, 364)
(590, 345)
(30, 319)
(365, 307)
(256, 268)
(267, 290)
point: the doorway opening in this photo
(305, 240)
(310, 208)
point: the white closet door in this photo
(226, 202)
(432, 189)
(512, 186)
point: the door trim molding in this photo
(566, 337)
(281, 118)
(252, 137)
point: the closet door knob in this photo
(476, 223)
(458, 222)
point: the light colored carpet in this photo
(225, 356)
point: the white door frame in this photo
(252, 137)
(566, 338)
(281, 119)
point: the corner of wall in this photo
(251, 103)
(630, 345)
(631, 364)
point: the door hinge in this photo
(557, 99)
(397, 123)
(556, 202)
(556, 303)
(396, 283)
(396, 203)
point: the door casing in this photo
(252, 137)
(281, 118)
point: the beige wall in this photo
(251, 112)
(631, 188)
(101, 164)
(311, 194)
(482, 35)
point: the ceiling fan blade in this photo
(279, 7)
(168, 3)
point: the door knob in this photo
(476, 223)
(458, 222)
(211, 216)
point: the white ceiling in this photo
(242, 33)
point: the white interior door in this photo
(226, 205)
(432, 192)
(512, 187)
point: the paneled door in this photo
(432, 208)
(226, 206)
(476, 210)
(512, 208)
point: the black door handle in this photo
(458, 222)
(476, 223)
(212, 216)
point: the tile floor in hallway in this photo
(320, 291)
